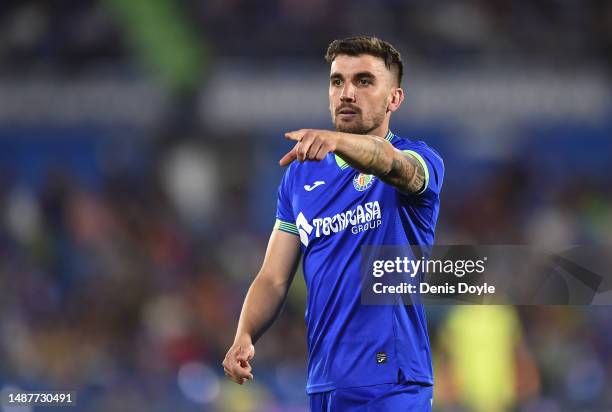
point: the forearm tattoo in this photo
(367, 156)
(407, 174)
(372, 157)
(375, 157)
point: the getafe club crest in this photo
(362, 181)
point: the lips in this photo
(346, 111)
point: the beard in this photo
(360, 125)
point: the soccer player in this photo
(358, 185)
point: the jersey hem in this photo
(326, 387)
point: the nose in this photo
(348, 93)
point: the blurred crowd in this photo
(122, 275)
(73, 35)
(113, 292)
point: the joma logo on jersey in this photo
(359, 219)
(361, 181)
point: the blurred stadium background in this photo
(138, 154)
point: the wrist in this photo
(336, 141)
(243, 339)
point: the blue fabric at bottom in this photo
(398, 397)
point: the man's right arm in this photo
(263, 302)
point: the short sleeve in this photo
(423, 207)
(432, 164)
(285, 220)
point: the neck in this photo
(382, 130)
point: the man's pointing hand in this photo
(311, 144)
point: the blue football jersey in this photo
(335, 210)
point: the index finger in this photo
(288, 158)
(295, 135)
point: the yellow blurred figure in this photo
(481, 344)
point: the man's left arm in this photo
(368, 154)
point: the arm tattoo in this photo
(375, 158)
(373, 155)
(367, 156)
(406, 174)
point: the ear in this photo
(397, 97)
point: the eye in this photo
(365, 82)
(336, 82)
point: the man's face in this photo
(360, 89)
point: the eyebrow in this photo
(359, 75)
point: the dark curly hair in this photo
(355, 46)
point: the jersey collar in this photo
(343, 165)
